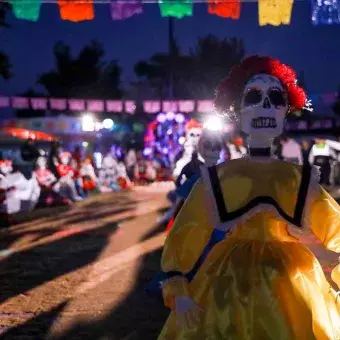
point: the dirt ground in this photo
(80, 272)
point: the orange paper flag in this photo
(225, 9)
(72, 10)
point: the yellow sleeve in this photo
(325, 220)
(325, 225)
(185, 243)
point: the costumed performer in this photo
(50, 188)
(259, 282)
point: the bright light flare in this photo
(108, 123)
(88, 123)
(213, 123)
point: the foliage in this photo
(86, 76)
(5, 65)
(192, 75)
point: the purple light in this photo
(147, 151)
(169, 132)
(161, 117)
(180, 118)
(170, 116)
(165, 151)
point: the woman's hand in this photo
(187, 312)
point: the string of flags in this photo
(270, 12)
(128, 106)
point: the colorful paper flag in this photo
(130, 106)
(95, 105)
(225, 9)
(152, 106)
(76, 104)
(58, 104)
(4, 102)
(275, 12)
(26, 10)
(170, 106)
(175, 8)
(121, 10)
(114, 106)
(75, 11)
(39, 103)
(20, 103)
(186, 106)
(205, 106)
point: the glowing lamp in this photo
(108, 123)
(165, 151)
(88, 123)
(181, 140)
(161, 117)
(85, 144)
(180, 118)
(147, 151)
(170, 116)
(213, 123)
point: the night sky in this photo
(314, 49)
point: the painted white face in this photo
(194, 136)
(6, 169)
(263, 107)
(41, 162)
(64, 160)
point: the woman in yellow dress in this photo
(259, 282)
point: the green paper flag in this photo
(175, 8)
(26, 10)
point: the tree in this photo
(5, 65)
(196, 74)
(86, 76)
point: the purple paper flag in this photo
(130, 106)
(76, 104)
(4, 102)
(170, 106)
(95, 105)
(58, 104)
(114, 106)
(121, 10)
(151, 106)
(186, 106)
(39, 103)
(20, 103)
(205, 106)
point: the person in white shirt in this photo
(291, 151)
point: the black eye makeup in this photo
(253, 97)
(277, 97)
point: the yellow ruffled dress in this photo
(259, 282)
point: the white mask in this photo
(64, 160)
(193, 136)
(41, 162)
(6, 169)
(263, 107)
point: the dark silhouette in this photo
(5, 65)
(193, 75)
(86, 76)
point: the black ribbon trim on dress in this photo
(226, 216)
(217, 190)
(260, 152)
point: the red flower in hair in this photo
(230, 90)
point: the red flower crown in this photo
(230, 90)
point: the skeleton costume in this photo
(259, 282)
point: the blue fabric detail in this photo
(184, 190)
(155, 286)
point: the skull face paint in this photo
(263, 106)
